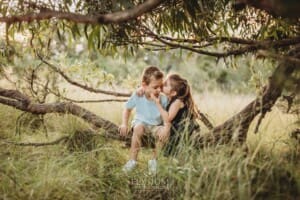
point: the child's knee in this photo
(138, 130)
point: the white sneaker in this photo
(129, 166)
(152, 166)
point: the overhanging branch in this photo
(111, 18)
(238, 51)
(249, 46)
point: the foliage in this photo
(212, 28)
(188, 22)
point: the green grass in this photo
(268, 170)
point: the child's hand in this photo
(123, 130)
(140, 91)
(154, 98)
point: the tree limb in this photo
(111, 129)
(212, 39)
(90, 101)
(265, 44)
(110, 18)
(85, 87)
(238, 51)
(13, 94)
(57, 94)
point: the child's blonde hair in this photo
(151, 72)
(183, 92)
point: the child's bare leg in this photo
(138, 132)
(165, 130)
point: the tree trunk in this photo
(235, 129)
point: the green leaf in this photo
(58, 34)
(93, 36)
(75, 31)
(86, 26)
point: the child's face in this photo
(167, 89)
(154, 87)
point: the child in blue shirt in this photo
(147, 119)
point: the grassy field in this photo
(72, 170)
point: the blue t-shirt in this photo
(146, 110)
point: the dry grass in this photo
(270, 169)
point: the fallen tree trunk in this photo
(234, 129)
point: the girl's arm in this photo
(173, 110)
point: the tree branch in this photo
(69, 80)
(249, 48)
(253, 46)
(81, 101)
(111, 129)
(90, 101)
(212, 39)
(111, 18)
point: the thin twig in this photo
(84, 101)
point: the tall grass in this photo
(268, 169)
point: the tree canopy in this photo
(195, 26)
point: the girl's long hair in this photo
(183, 90)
